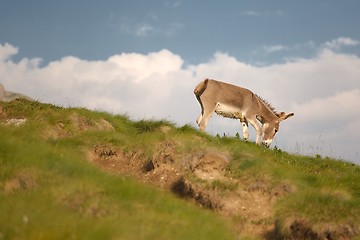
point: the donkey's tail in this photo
(200, 88)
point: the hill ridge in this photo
(260, 193)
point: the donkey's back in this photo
(212, 90)
(225, 99)
(232, 101)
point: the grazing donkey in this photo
(231, 101)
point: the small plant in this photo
(144, 126)
(277, 150)
(187, 128)
(221, 185)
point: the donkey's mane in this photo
(264, 101)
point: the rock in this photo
(15, 121)
(6, 96)
(2, 92)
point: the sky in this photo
(144, 58)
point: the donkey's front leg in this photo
(258, 129)
(258, 133)
(245, 129)
(258, 137)
(198, 120)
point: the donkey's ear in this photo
(280, 114)
(283, 116)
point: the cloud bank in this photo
(340, 42)
(324, 91)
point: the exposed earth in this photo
(202, 178)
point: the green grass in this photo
(326, 192)
(49, 190)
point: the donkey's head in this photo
(270, 128)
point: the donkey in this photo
(231, 101)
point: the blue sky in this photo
(144, 58)
(193, 29)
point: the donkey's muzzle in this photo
(266, 144)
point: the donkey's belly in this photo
(228, 111)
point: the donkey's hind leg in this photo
(206, 115)
(198, 120)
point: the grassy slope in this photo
(49, 190)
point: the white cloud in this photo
(279, 13)
(173, 4)
(176, 4)
(173, 29)
(137, 67)
(341, 42)
(6, 51)
(252, 13)
(340, 107)
(335, 44)
(141, 85)
(324, 92)
(129, 26)
(330, 126)
(274, 48)
(143, 30)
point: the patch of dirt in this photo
(300, 229)
(159, 171)
(207, 165)
(83, 124)
(86, 202)
(56, 131)
(76, 124)
(25, 179)
(188, 190)
(200, 177)
(10, 121)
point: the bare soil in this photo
(200, 177)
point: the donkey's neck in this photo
(267, 112)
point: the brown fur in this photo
(236, 102)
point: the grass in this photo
(49, 190)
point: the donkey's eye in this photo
(276, 130)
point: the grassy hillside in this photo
(73, 173)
